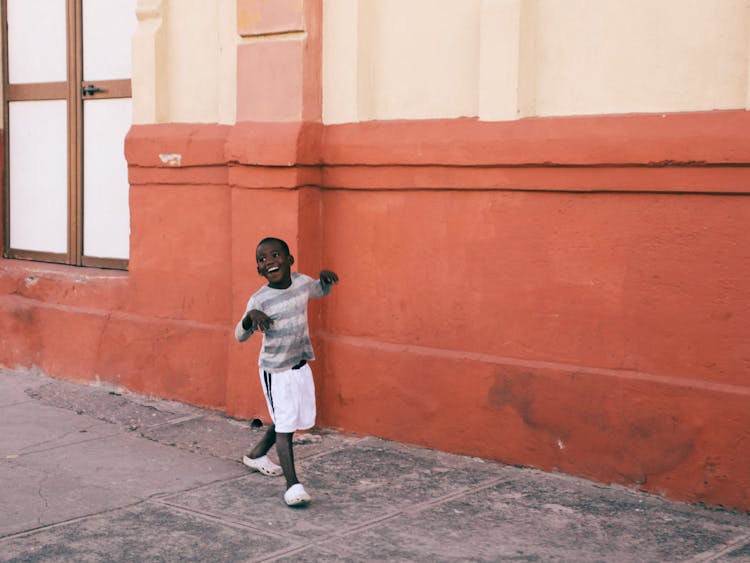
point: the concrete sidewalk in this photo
(92, 474)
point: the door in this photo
(67, 111)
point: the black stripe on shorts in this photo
(267, 382)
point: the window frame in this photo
(72, 92)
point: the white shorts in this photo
(290, 396)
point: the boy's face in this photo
(274, 264)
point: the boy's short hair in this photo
(283, 244)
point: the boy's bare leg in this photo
(265, 444)
(286, 457)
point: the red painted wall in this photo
(569, 293)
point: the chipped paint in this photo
(171, 159)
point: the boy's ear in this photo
(291, 259)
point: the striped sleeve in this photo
(239, 332)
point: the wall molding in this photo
(697, 152)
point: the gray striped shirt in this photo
(287, 341)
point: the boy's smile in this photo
(274, 264)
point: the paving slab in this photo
(130, 464)
(111, 404)
(146, 532)
(77, 479)
(737, 554)
(39, 497)
(17, 385)
(495, 524)
(29, 427)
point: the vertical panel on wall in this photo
(39, 175)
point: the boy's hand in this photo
(328, 277)
(257, 320)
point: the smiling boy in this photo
(279, 310)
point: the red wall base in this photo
(571, 293)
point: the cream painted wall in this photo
(420, 48)
(341, 56)
(385, 59)
(184, 61)
(502, 59)
(641, 55)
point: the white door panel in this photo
(39, 175)
(38, 41)
(108, 26)
(106, 218)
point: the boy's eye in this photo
(275, 254)
(261, 260)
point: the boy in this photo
(279, 310)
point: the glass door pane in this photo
(38, 167)
(37, 41)
(106, 212)
(108, 27)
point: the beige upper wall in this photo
(184, 61)
(502, 59)
(399, 45)
(496, 59)
(641, 55)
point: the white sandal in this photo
(296, 495)
(264, 465)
